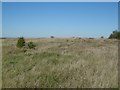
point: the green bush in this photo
(52, 36)
(102, 37)
(31, 45)
(20, 42)
(115, 35)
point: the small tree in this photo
(52, 36)
(31, 45)
(102, 37)
(20, 42)
(115, 34)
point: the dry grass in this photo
(83, 63)
(0, 63)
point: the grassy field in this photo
(67, 62)
(0, 63)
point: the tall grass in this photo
(83, 63)
(0, 63)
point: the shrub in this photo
(102, 37)
(91, 38)
(20, 42)
(67, 40)
(31, 45)
(52, 36)
(115, 35)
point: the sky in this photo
(59, 19)
(60, 0)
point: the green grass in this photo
(83, 63)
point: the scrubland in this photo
(60, 62)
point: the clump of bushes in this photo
(115, 35)
(52, 36)
(31, 45)
(91, 38)
(21, 44)
(102, 37)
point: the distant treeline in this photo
(8, 37)
(2, 38)
(115, 35)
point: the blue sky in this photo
(60, 19)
